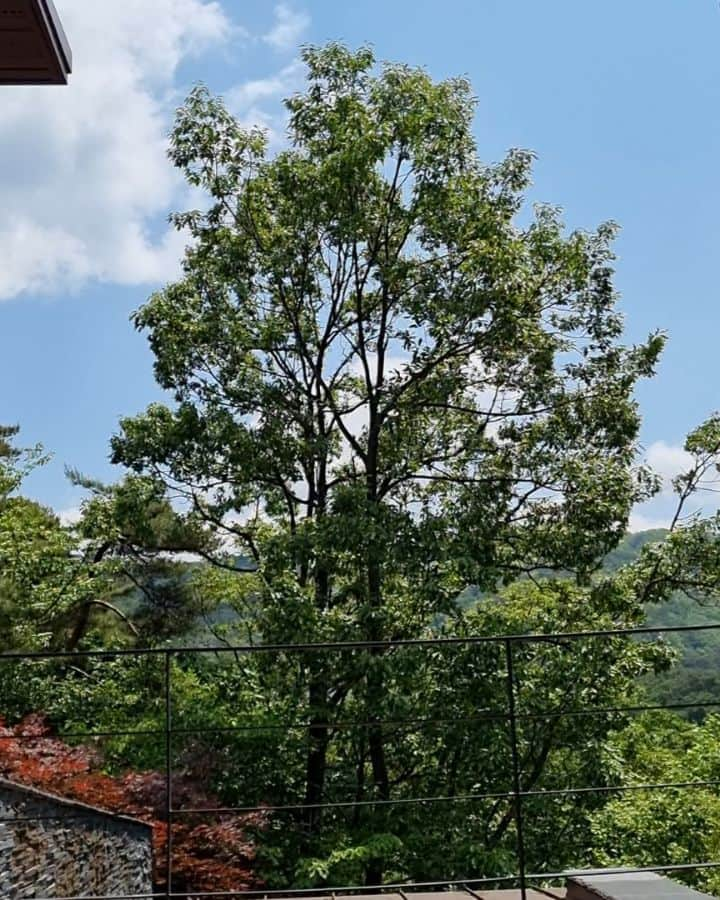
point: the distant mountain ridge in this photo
(628, 550)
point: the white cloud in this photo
(70, 516)
(85, 182)
(647, 522)
(246, 96)
(84, 172)
(246, 100)
(668, 461)
(288, 27)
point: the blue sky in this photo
(620, 101)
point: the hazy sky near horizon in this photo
(620, 101)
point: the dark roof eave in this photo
(60, 39)
(34, 48)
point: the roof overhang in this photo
(33, 45)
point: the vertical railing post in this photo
(517, 781)
(168, 772)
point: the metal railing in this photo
(512, 715)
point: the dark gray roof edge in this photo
(19, 787)
(628, 885)
(57, 32)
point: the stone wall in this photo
(69, 850)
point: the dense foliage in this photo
(672, 826)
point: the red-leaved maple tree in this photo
(212, 856)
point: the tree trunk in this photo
(377, 746)
(375, 691)
(319, 731)
(375, 676)
(316, 764)
(374, 873)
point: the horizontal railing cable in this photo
(347, 646)
(347, 725)
(402, 801)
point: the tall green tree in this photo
(389, 379)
